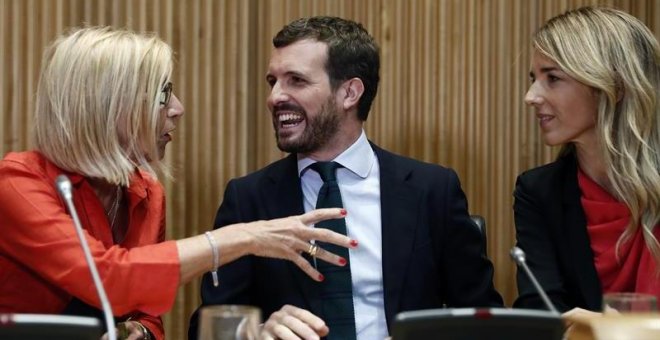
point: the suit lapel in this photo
(399, 207)
(281, 187)
(574, 223)
(283, 191)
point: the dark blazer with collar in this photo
(431, 251)
(551, 229)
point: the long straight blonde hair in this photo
(615, 53)
(97, 102)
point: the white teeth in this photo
(288, 116)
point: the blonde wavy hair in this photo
(98, 102)
(616, 54)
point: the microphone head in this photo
(517, 255)
(63, 185)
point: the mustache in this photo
(287, 107)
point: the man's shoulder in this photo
(281, 167)
(406, 163)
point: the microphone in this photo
(518, 255)
(64, 187)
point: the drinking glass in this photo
(629, 303)
(229, 322)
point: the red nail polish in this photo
(354, 243)
(321, 277)
(342, 261)
(343, 212)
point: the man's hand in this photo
(293, 323)
(578, 318)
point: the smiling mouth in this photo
(289, 120)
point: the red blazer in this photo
(42, 266)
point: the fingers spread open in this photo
(318, 215)
(329, 257)
(328, 236)
(307, 267)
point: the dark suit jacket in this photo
(551, 229)
(431, 250)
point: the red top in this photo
(635, 269)
(42, 264)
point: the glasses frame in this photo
(166, 94)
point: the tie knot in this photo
(327, 170)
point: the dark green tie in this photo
(336, 289)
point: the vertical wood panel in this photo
(4, 83)
(453, 76)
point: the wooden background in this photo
(454, 73)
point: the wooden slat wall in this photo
(454, 73)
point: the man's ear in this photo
(352, 91)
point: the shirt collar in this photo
(139, 183)
(358, 158)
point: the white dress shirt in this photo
(359, 183)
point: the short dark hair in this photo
(352, 52)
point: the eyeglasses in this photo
(166, 94)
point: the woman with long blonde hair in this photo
(589, 222)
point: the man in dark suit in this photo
(417, 246)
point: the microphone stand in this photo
(64, 188)
(518, 255)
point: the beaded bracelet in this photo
(216, 257)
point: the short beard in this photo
(318, 132)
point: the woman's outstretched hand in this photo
(287, 238)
